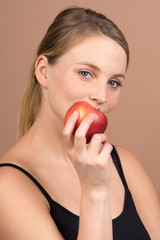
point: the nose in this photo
(98, 93)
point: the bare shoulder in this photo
(142, 190)
(23, 208)
(133, 170)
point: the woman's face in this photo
(92, 70)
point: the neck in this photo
(46, 136)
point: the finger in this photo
(80, 134)
(106, 151)
(68, 130)
(96, 144)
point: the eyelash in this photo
(115, 82)
(86, 72)
(82, 72)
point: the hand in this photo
(91, 161)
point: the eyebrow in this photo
(98, 69)
(119, 75)
(90, 65)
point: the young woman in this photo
(53, 185)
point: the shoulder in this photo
(142, 190)
(134, 171)
(15, 184)
(15, 180)
(130, 164)
(23, 208)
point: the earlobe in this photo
(41, 67)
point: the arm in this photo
(92, 163)
(95, 217)
(143, 192)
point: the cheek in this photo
(74, 91)
(113, 100)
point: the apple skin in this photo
(99, 124)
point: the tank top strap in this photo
(31, 177)
(114, 156)
(117, 162)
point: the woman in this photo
(53, 185)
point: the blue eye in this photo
(114, 83)
(85, 74)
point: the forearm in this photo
(95, 217)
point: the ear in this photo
(41, 67)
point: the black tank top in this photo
(127, 226)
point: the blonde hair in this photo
(70, 26)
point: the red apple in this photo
(99, 124)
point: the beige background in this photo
(135, 122)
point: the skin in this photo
(90, 71)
